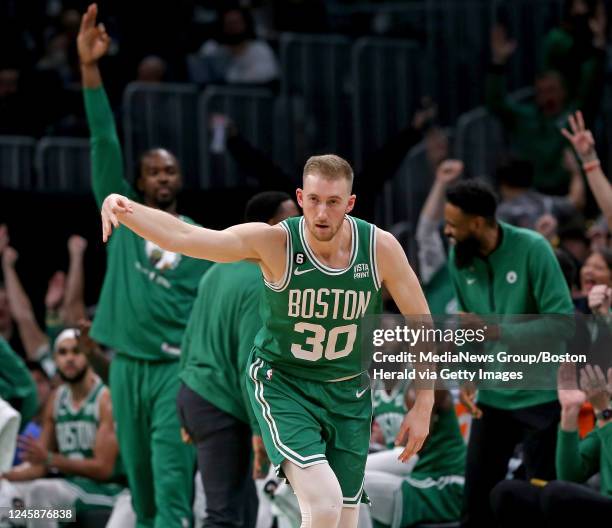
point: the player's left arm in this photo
(106, 449)
(402, 283)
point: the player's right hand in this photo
(113, 205)
(92, 41)
(467, 396)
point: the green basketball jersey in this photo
(76, 429)
(312, 315)
(389, 409)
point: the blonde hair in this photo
(329, 166)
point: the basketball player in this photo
(323, 273)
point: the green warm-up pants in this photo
(159, 466)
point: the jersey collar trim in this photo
(319, 265)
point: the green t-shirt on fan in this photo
(147, 292)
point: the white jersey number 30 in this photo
(318, 337)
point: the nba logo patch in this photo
(269, 374)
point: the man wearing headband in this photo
(77, 440)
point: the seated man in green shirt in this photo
(77, 440)
(567, 502)
(142, 312)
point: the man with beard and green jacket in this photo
(142, 313)
(500, 269)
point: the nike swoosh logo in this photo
(359, 394)
(301, 272)
(470, 281)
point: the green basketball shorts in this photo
(310, 422)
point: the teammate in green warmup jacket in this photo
(309, 388)
(143, 309)
(213, 404)
(500, 269)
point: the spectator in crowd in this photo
(567, 502)
(236, 55)
(214, 409)
(77, 439)
(161, 287)
(533, 126)
(433, 267)
(64, 301)
(497, 268)
(151, 69)
(523, 206)
(17, 386)
(595, 273)
(59, 55)
(573, 48)
(583, 143)
(13, 119)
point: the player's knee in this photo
(325, 514)
(325, 509)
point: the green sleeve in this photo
(16, 383)
(452, 270)
(106, 156)
(577, 460)
(250, 324)
(551, 295)
(550, 289)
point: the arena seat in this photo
(63, 165)
(16, 162)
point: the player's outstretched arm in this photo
(239, 242)
(403, 285)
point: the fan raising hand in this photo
(580, 138)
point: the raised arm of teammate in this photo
(254, 241)
(106, 157)
(403, 285)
